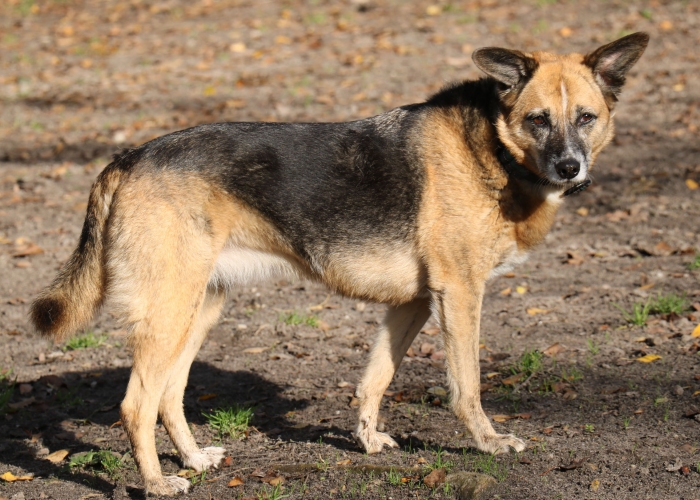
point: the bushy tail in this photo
(71, 301)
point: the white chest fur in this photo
(511, 259)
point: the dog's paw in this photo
(205, 459)
(169, 486)
(499, 443)
(374, 442)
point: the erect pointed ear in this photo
(509, 67)
(610, 63)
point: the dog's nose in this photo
(568, 169)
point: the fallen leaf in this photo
(11, 478)
(536, 310)
(554, 349)
(566, 32)
(692, 185)
(595, 485)
(27, 250)
(505, 291)
(433, 10)
(347, 461)
(501, 418)
(666, 25)
(583, 211)
(520, 289)
(435, 478)
(254, 350)
(648, 358)
(57, 456)
(513, 379)
(236, 481)
(696, 331)
(273, 481)
(205, 397)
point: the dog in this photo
(416, 208)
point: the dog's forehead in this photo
(561, 81)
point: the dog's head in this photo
(557, 109)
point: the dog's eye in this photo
(586, 118)
(540, 121)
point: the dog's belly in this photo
(381, 273)
(241, 266)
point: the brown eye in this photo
(586, 118)
(539, 121)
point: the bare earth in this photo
(81, 79)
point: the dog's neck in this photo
(521, 173)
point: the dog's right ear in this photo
(509, 67)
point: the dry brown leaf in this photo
(554, 349)
(583, 211)
(206, 397)
(347, 461)
(57, 456)
(236, 481)
(505, 291)
(595, 485)
(27, 250)
(501, 418)
(254, 350)
(513, 379)
(566, 32)
(520, 289)
(536, 310)
(435, 478)
(692, 185)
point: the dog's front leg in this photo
(401, 325)
(459, 307)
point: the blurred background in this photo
(80, 78)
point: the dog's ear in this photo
(610, 63)
(508, 67)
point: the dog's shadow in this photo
(64, 406)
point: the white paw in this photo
(205, 459)
(373, 441)
(499, 443)
(169, 486)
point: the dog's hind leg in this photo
(163, 246)
(171, 409)
(401, 325)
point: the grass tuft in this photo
(85, 341)
(638, 315)
(294, 319)
(529, 363)
(110, 463)
(486, 464)
(232, 421)
(669, 304)
(696, 263)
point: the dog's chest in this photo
(511, 258)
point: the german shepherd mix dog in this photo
(416, 208)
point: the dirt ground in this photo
(81, 79)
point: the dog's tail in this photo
(71, 301)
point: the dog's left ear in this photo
(610, 63)
(509, 67)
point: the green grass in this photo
(394, 477)
(626, 423)
(669, 304)
(110, 463)
(638, 315)
(486, 464)
(530, 362)
(232, 421)
(272, 494)
(440, 462)
(593, 348)
(68, 398)
(696, 263)
(294, 319)
(589, 428)
(85, 341)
